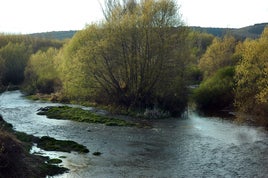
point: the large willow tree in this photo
(135, 58)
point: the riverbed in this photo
(196, 146)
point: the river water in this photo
(193, 147)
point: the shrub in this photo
(217, 92)
(48, 86)
(155, 114)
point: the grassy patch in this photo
(45, 143)
(28, 140)
(52, 170)
(25, 137)
(38, 96)
(80, 115)
(32, 97)
(51, 144)
(54, 161)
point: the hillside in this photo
(59, 35)
(252, 31)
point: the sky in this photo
(30, 16)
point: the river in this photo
(194, 147)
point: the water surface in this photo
(194, 147)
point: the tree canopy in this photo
(219, 54)
(13, 58)
(135, 58)
(41, 72)
(252, 76)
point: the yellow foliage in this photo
(218, 55)
(252, 74)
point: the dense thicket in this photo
(15, 51)
(35, 43)
(217, 63)
(14, 58)
(41, 74)
(217, 92)
(246, 87)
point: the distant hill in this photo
(211, 30)
(59, 35)
(253, 31)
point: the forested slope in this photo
(252, 31)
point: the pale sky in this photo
(29, 16)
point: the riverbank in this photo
(15, 159)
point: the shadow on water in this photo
(199, 146)
(223, 114)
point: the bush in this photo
(48, 86)
(173, 103)
(155, 114)
(217, 92)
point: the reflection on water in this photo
(194, 147)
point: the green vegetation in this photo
(217, 92)
(15, 52)
(141, 57)
(252, 76)
(28, 140)
(245, 87)
(40, 73)
(12, 68)
(51, 144)
(80, 115)
(58, 35)
(15, 160)
(54, 161)
(25, 137)
(50, 169)
(218, 55)
(253, 31)
(134, 59)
